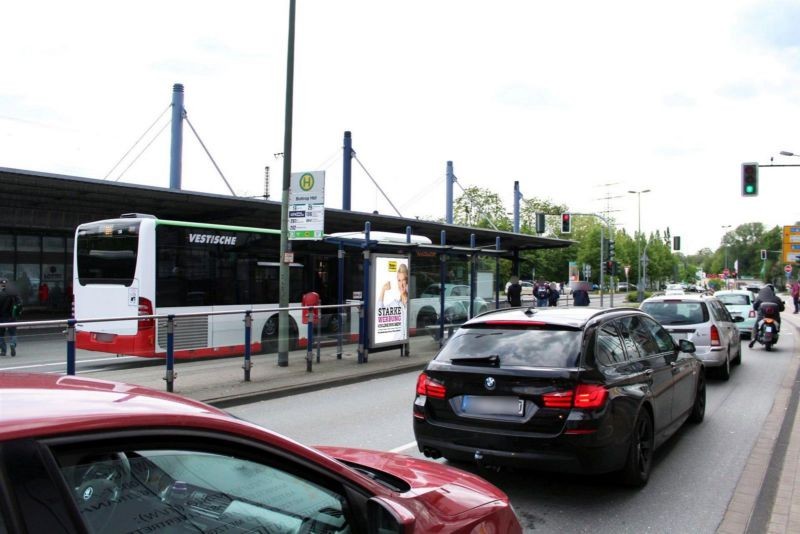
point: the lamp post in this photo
(639, 288)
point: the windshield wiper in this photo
(480, 361)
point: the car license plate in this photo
(481, 405)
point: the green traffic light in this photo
(749, 189)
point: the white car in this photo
(740, 304)
(674, 289)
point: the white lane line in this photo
(404, 447)
(33, 366)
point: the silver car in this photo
(703, 320)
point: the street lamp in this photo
(639, 288)
(787, 153)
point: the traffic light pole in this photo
(602, 261)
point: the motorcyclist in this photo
(765, 294)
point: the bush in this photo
(633, 296)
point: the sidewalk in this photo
(767, 496)
(221, 381)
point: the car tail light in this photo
(715, 336)
(752, 313)
(590, 396)
(585, 397)
(557, 399)
(145, 308)
(430, 388)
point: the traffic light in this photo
(566, 223)
(763, 254)
(609, 268)
(749, 179)
(676, 242)
(540, 223)
(610, 249)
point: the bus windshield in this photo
(106, 253)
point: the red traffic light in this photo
(566, 223)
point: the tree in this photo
(481, 208)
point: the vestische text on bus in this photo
(212, 239)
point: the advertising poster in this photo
(390, 275)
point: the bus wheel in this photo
(270, 332)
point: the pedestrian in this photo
(580, 297)
(542, 293)
(554, 294)
(514, 292)
(796, 295)
(10, 309)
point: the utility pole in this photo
(283, 273)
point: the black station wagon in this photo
(573, 390)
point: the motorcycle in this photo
(768, 326)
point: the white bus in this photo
(139, 264)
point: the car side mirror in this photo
(684, 345)
(388, 517)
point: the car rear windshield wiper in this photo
(480, 361)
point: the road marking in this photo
(404, 447)
(32, 366)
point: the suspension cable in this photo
(142, 152)
(472, 203)
(186, 117)
(376, 185)
(136, 143)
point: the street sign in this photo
(787, 268)
(307, 205)
(790, 246)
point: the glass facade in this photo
(39, 268)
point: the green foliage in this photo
(484, 209)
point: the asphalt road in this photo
(693, 478)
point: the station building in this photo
(40, 212)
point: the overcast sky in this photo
(566, 97)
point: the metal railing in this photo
(170, 375)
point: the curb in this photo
(230, 401)
(754, 494)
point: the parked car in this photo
(558, 389)
(739, 302)
(626, 286)
(84, 455)
(706, 322)
(424, 310)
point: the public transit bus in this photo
(141, 265)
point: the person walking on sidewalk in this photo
(514, 292)
(796, 295)
(10, 307)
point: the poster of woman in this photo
(390, 317)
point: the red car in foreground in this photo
(80, 455)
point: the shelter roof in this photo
(38, 200)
